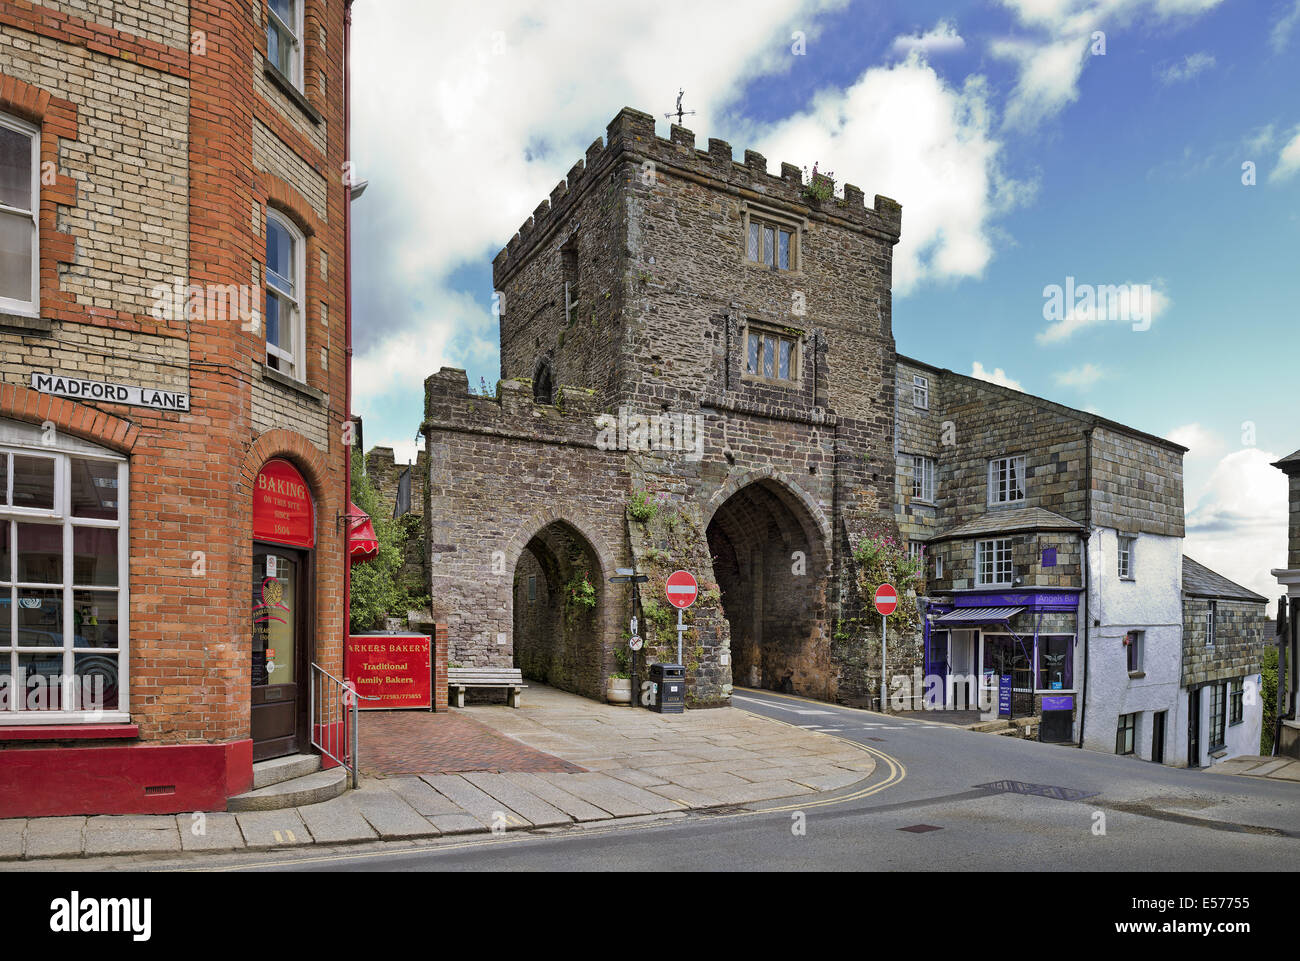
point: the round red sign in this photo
(886, 599)
(681, 589)
(282, 507)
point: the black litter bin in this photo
(670, 681)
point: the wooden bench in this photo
(460, 678)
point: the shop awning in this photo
(363, 545)
(977, 615)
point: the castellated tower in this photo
(697, 369)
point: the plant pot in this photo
(618, 690)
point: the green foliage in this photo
(622, 657)
(1268, 692)
(580, 593)
(642, 507)
(378, 590)
(817, 189)
(881, 559)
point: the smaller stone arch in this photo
(741, 479)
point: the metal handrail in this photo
(330, 730)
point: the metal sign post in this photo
(628, 575)
(883, 621)
(886, 602)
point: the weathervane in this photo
(679, 111)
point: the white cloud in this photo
(1236, 523)
(1201, 442)
(1081, 377)
(995, 376)
(1187, 68)
(466, 115)
(946, 172)
(1097, 304)
(1052, 61)
(943, 38)
(1288, 161)
(1284, 27)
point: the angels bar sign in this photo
(282, 508)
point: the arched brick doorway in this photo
(558, 635)
(770, 560)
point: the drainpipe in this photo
(347, 315)
(1084, 541)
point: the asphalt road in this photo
(1105, 813)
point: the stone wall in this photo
(1137, 484)
(1238, 640)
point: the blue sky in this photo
(1021, 154)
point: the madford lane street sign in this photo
(80, 388)
(681, 589)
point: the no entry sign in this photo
(681, 589)
(886, 599)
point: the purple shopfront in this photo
(973, 641)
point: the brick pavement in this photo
(418, 742)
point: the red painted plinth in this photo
(123, 779)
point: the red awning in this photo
(363, 545)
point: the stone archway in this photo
(558, 624)
(771, 561)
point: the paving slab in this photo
(336, 821)
(764, 791)
(684, 795)
(572, 805)
(271, 829)
(829, 782)
(54, 837)
(456, 823)
(220, 831)
(388, 813)
(707, 781)
(519, 799)
(12, 831)
(424, 799)
(1264, 770)
(130, 834)
(638, 777)
(598, 789)
(487, 809)
(1289, 773)
(657, 803)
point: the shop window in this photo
(1056, 662)
(285, 331)
(1218, 715)
(1134, 650)
(1004, 654)
(1006, 480)
(63, 573)
(20, 165)
(1126, 735)
(922, 479)
(284, 38)
(1236, 701)
(993, 563)
(771, 355)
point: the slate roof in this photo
(1289, 463)
(1007, 520)
(1200, 581)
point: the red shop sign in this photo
(395, 668)
(282, 509)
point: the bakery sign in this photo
(80, 388)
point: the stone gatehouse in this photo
(697, 372)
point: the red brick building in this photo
(172, 321)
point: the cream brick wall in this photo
(158, 20)
(98, 353)
(271, 155)
(315, 133)
(131, 221)
(277, 406)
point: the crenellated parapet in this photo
(631, 136)
(512, 412)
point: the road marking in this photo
(779, 707)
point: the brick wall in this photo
(152, 142)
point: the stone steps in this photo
(292, 791)
(266, 773)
